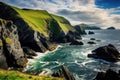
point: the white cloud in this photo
(77, 11)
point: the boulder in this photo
(111, 28)
(76, 43)
(64, 73)
(91, 32)
(92, 39)
(91, 42)
(108, 53)
(11, 52)
(108, 75)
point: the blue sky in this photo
(107, 4)
(103, 13)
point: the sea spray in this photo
(31, 62)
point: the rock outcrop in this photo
(91, 32)
(108, 53)
(111, 28)
(29, 52)
(76, 43)
(80, 29)
(11, 52)
(91, 42)
(64, 73)
(109, 75)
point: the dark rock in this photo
(109, 75)
(76, 43)
(91, 42)
(111, 28)
(108, 53)
(12, 54)
(69, 37)
(29, 52)
(92, 39)
(64, 73)
(91, 32)
(80, 29)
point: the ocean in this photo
(75, 56)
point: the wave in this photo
(39, 55)
(43, 54)
(45, 71)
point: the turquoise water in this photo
(75, 57)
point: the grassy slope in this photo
(15, 75)
(65, 25)
(36, 19)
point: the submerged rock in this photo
(64, 73)
(11, 52)
(109, 75)
(108, 53)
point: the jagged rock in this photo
(29, 52)
(65, 73)
(91, 32)
(109, 75)
(76, 43)
(69, 37)
(91, 42)
(12, 54)
(80, 29)
(108, 53)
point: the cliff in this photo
(38, 28)
(11, 53)
(86, 27)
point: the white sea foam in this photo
(43, 54)
(46, 71)
(87, 61)
(85, 53)
(39, 55)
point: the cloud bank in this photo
(76, 11)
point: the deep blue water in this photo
(75, 57)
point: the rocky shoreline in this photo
(20, 41)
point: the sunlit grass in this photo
(39, 20)
(16, 75)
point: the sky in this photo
(102, 13)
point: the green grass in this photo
(16, 75)
(36, 19)
(63, 23)
(39, 20)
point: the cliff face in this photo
(34, 29)
(38, 28)
(11, 52)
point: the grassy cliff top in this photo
(38, 20)
(16, 75)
